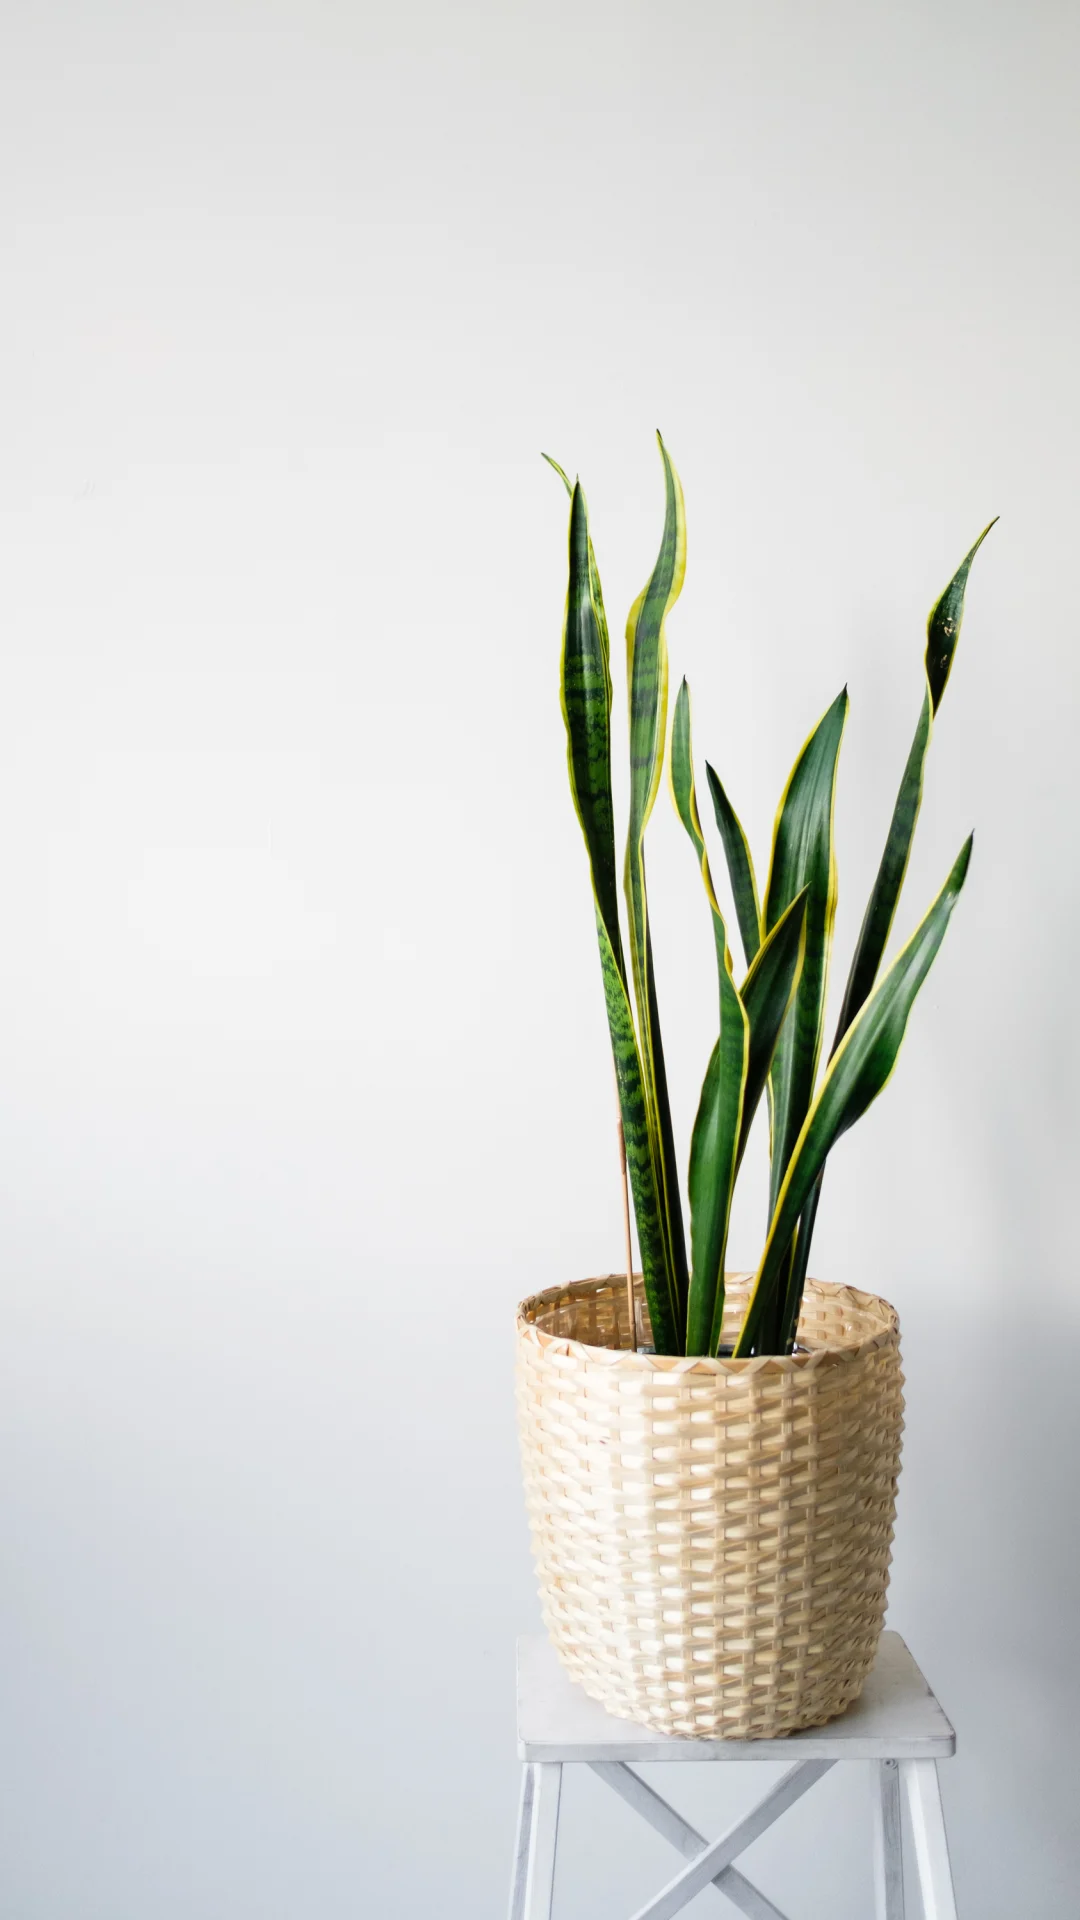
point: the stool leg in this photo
(923, 1794)
(543, 1835)
(888, 1859)
(521, 1846)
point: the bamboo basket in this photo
(712, 1537)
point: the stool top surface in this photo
(896, 1717)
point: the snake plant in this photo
(771, 1024)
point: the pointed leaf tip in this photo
(556, 467)
(943, 625)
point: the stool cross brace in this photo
(897, 1727)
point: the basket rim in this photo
(838, 1352)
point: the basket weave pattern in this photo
(712, 1536)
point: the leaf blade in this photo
(718, 1124)
(647, 682)
(711, 1176)
(585, 697)
(740, 866)
(641, 1164)
(803, 855)
(885, 893)
(944, 621)
(585, 694)
(857, 1073)
(684, 795)
(767, 994)
(942, 634)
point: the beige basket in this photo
(712, 1536)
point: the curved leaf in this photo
(647, 680)
(646, 655)
(740, 866)
(803, 856)
(714, 1143)
(859, 1069)
(942, 633)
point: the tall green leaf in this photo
(647, 681)
(803, 856)
(750, 1023)
(942, 633)
(740, 866)
(714, 1143)
(586, 705)
(859, 1069)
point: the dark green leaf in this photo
(856, 1074)
(793, 1278)
(711, 1180)
(594, 578)
(714, 1145)
(881, 907)
(647, 679)
(802, 856)
(640, 1154)
(664, 1135)
(943, 624)
(586, 703)
(684, 794)
(767, 993)
(740, 866)
(942, 634)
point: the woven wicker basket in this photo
(712, 1536)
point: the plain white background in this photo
(303, 1068)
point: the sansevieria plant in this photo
(772, 1022)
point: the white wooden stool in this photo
(896, 1725)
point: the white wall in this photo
(303, 1075)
